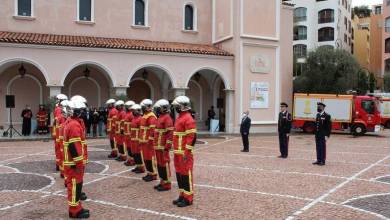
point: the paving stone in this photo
(48, 166)
(21, 181)
(378, 204)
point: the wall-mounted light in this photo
(86, 72)
(197, 76)
(144, 75)
(22, 71)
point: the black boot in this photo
(83, 196)
(84, 213)
(176, 201)
(157, 186)
(184, 203)
(57, 168)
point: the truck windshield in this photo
(369, 106)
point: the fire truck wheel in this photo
(309, 127)
(358, 130)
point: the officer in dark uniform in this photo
(322, 133)
(284, 128)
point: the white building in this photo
(322, 23)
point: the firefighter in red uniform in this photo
(42, 118)
(127, 129)
(61, 121)
(163, 143)
(78, 98)
(119, 130)
(57, 118)
(74, 165)
(148, 124)
(184, 138)
(112, 115)
(134, 134)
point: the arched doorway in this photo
(150, 82)
(27, 83)
(91, 81)
(139, 90)
(206, 88)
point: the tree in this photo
(386, 82)
(372, 82)
(328, 70)
(362, 11)
(362, 84)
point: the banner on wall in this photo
(259, 95)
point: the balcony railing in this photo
(325, 20)
(300, 18)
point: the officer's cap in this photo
(283, 104)
(321, 103)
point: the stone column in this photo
(179, 91)
(229, 112)
(55, 90)
(120, 91)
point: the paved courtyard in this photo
(355, 183)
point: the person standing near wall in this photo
(244, 130)
(284, 128)
(26, 126)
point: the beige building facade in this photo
(235, 53)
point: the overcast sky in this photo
(366, 2)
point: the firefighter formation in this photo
(141, 135)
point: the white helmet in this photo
(64, 103)
(146, 103)
(76, 105)
(78, 98)
(161, 103)
(110, 101)
(183, 102)
(119, 102)
(129, 103)
(61, 97)
(135, 107)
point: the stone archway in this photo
(27, 83)
(91, 81)
(208, 81)
(151, 82)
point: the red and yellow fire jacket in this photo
(74, 140)
(112, 116)
(148, 124)
(134, 130)
(42, 118)
(163, 132)
(120, 122)
(57, 114)
(184, 136)
(127, 124)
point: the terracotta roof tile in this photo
(114, 43)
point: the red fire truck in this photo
(356, 114)
(385, 111)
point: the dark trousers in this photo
(245, 141)
(321, 148)
(94, 129)
(26, 127)
(283, 144)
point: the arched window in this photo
(24, 8)
(300, 50)
(300, 33)
(139, 12)
(387, 45)
(189, 17)
(326, 16)
(387, 25)
(300, 14)
(387, 65)
(326, 34)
